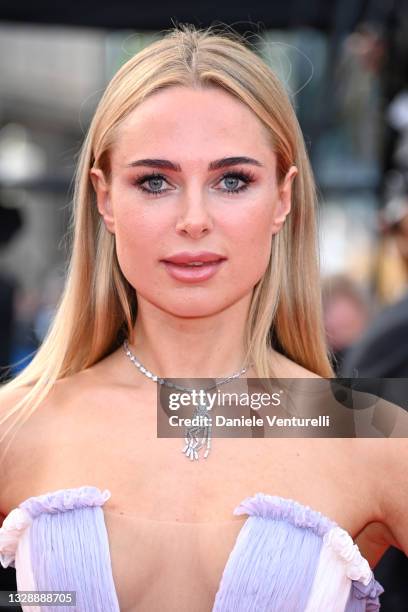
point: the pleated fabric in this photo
(287, 556)
(293, 558)
(58, 542)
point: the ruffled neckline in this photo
(356, 567)
(65, 499)
(260, 505)
(21, 517)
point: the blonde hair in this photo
(98, 305)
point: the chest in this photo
(169, 520)
(159, 565)
(149, 477)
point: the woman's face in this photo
(193, 172)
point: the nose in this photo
(194, 218)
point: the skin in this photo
(206, 320)
(99, 426)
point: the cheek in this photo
(136, 222)
(251, 237)
(138, 236)
(137, 231)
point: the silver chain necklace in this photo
(192, 434)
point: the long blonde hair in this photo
(98, 306)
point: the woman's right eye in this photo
(154, 183)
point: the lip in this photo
(212, 262)
(186, 257)
(193, 274)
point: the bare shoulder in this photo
(61, 392)
(29, 431)
(392, 464)
(69, 394)
(381, 463)
(384, 464)
(10, 399)
(386, 453)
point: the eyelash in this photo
(246, 176)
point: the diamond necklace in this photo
(192, 434)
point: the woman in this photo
(195, 240)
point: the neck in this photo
(196, 347)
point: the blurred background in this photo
(345, 65)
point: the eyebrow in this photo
(166, 164)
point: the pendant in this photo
(193, 433)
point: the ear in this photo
(284, 200)
(103, 198)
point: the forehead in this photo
(181, 121)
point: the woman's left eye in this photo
(153, 183)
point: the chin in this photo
(203, 308)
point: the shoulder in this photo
(10, 399)
(382, 494)
(392, 462)
(383, 458)
(385, 463)
(71, 393)
(30, 431)
(381, 465)
(59, 393)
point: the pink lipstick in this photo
(193, 267)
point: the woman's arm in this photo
(386, 464)
(395, 490)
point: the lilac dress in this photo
(286, 556)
